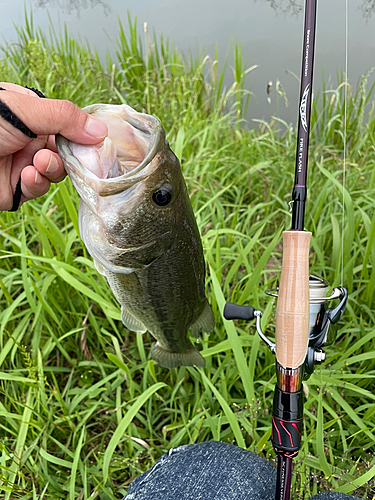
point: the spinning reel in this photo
(323, 319)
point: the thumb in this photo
(54, 116)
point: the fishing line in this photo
(345, 131)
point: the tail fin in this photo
(169, 359)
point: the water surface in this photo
(270, 32)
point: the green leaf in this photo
(234, 340)
(125, 422)
(232, 419)
(55, 460)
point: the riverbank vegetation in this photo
(83, 409)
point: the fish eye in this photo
(162, 196)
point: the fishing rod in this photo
(304, 322)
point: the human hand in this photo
(35, 160)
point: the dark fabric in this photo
(37, 92)
(206, 471)
(17, 196)
(9, 116)
(211, 471)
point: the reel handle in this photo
(234, 311)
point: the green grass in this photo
(83, 409)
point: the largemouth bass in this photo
(137, 223)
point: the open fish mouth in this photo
(123, 158)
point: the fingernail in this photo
(53, 165)
(38, 177)
(96, 128)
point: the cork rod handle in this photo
(293, 310)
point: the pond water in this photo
(270, 32)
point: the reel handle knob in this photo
(234, 311)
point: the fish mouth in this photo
(124, 158)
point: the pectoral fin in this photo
(205, 322)
(131, 322)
